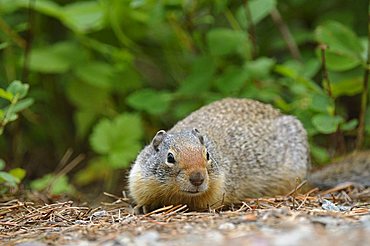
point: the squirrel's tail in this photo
(353, 168)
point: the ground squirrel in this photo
(220, 154)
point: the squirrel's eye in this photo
(207, 155)
(170, 158)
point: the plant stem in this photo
(286, 34)
(325, 76)
(364, 95)
(251, 29)
(29, 39)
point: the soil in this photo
(339, 216)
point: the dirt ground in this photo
(340, 216)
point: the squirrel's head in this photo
(182, 161)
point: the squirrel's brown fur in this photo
(253, 150)
(220, 154)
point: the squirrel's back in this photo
(222, 153)
(260, 151)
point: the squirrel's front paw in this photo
(140, 209)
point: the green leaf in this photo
(259, 9)
(200, 78)
(22, 104)
(344, 47)
(151, 101)
(119, 139)
(97, 169)
(259, 69)
(295, 74)
(8, 179)
(87, 97)
(17, 88)
(83, 17)
(58, 185)
(319, 154)
(41, 183)
(61, 185)
(322, 103)
(18, 173)
(57, 58)
(326, 124)
(223, 41)
(350, 125)
(96, 73)
(348, 83)
(232, 80)
(2, 164)
(6, 95)
(83, 120)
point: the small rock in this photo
(227, 226)
(100, 213)
(147, 238)
(329, 206)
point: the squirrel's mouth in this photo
(191, 192)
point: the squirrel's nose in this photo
(196, 178)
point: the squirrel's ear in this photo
(158, 138)
(197, 134)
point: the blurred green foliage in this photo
(105, 75)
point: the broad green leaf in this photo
(61, 185)
(18, 173)
(87, 97)
(338, 61)
(17, 88)
(259, 69)
(122, 159)
(344, 47)
(6, 95)
(119, 139)
(96, 73)
(151, 101)
(322, 103)
(41, 183)
(295, 75)
(58, 185)
(343, 84)
(201, 76)
(232, 80)
(223, 41)
(83, 17)
(319, 154)
(326, 124)
(56, 58)
(8, 178)
(339, 38)
(259, 9)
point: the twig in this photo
(361, 124)
(18, 40)
(251, 29)
(286, 34)
(296, 188)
